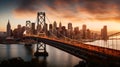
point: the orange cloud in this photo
(72, 10)
(24, 14)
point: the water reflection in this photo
(8, 51)
(56, 58)
(39, 61)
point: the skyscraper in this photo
(8, 29)
(28, 27)
(50, 27)
(88, 34)
(104, 35)
(70, 30)
(76, 33)
(70, 26)
(76, 30)
(84, 27)
(60, 26)
(54, 25)
(54, 28)
(33, 28)
(64, 31)
(84, 31)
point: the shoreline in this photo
(9, 42)
(14, 43)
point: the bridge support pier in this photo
(41, 50)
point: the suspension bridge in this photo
(72, 46)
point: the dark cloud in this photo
(28, 5)
(71, 8)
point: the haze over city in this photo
(94, 13)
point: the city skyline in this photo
(55, 29)
(77, 12)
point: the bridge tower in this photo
(41, 23)
(28, 27)
(41, 31)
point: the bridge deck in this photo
(83, 50)
(103, 50)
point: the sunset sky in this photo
(94, 13)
